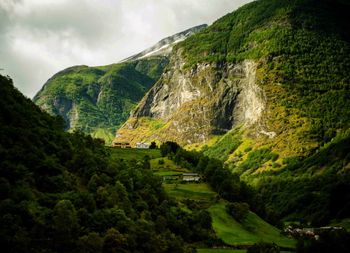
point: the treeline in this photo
(62, 192)
(221, 179)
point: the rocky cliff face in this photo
(202, 101)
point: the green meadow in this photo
(253, 229)
(133, 153)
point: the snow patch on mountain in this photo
(165, 46)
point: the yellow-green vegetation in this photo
(103, 134)
(253, 229)
(133, 153)
(225, 146)
(164, 163)
(140, 129)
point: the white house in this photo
(142, 145)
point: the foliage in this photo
(263, 247)
(225, 146)
(238, 211)
(96, 100)
(169, 148)
(153, 145)
(313, 189)
(257, 158)
(227, 185)
(62, 192)
(328, 241)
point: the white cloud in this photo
(41, 37)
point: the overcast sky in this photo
(38, 38)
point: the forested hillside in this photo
(63, 192)
(97, 100)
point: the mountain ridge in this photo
(97, 100)
(164, 46)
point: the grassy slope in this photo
(252, 230)
(133, 153)
(198, 192)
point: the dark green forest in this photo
(61, 192)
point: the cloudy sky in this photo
(41, 37)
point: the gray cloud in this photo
(41, 37)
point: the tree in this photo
(239, 211)
(65, 223)
(114, 242)
(264, 247)
(153, 145)
(169, 147)
(91, 243)
(65, 217)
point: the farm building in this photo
(121, 145)
(191, 177)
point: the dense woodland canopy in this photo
(61, 192)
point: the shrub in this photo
(237, 210)
(264, 247)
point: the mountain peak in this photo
(164, 46)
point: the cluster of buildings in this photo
(118, 144)
(184, 177)
(309, 232)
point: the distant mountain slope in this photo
(97, 100)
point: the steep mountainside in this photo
(266, 89)
(279, 69)
(97, 100)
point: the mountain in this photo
(97, 100)
(265, 89)
(165, 46)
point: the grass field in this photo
(252, 230)
(195, 191)
(133, 153)
(165, 164)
